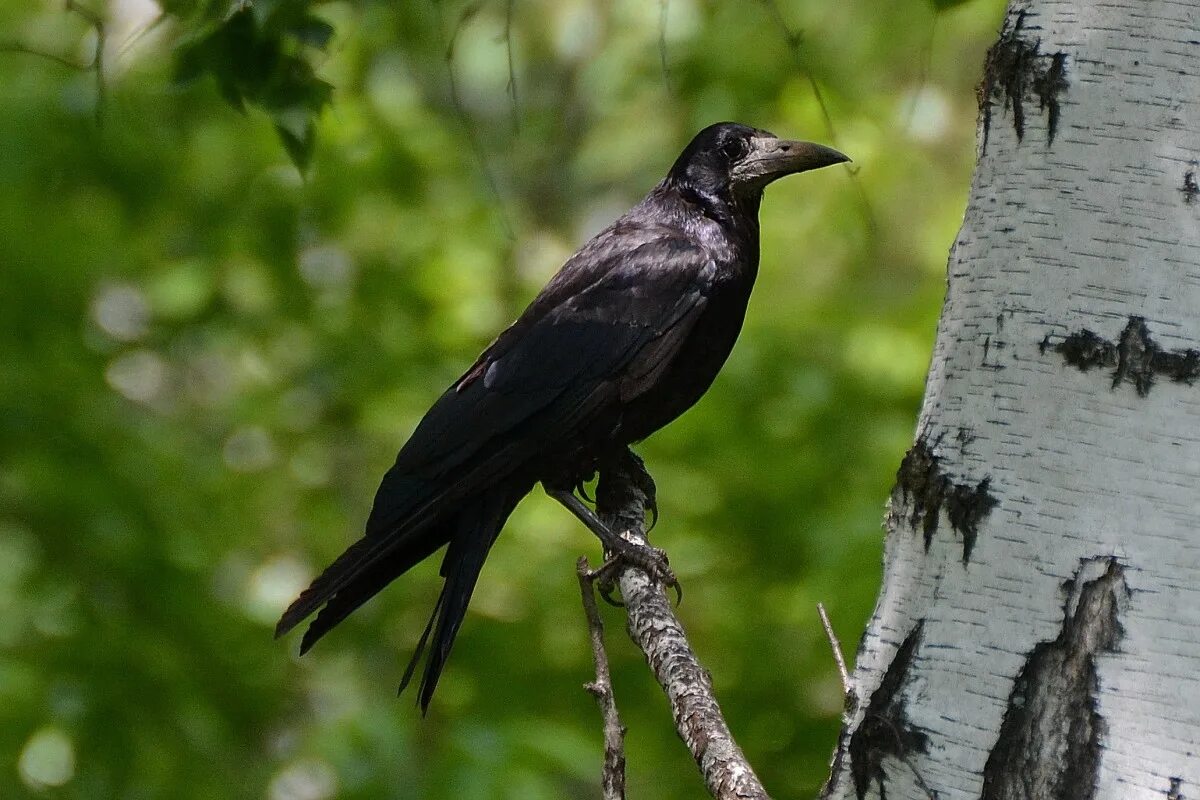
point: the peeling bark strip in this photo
(621, 504)
(885, 729)
(921, 482)
(1135, 356)
(1049, 744)
(1015, 72)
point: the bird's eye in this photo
(734, 149)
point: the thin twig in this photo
(465, 119)
(793, 42)
(663, 6)
(135, 37)
(512, 72)
(847, 689)
(621, 502)
(925, 59)
(836, 647)
(24, 49)
(96, 65)
(613, 776)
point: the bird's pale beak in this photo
(771, 158)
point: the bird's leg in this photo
(611, 541)
(649, 558)
(625, 493)
(637, 472)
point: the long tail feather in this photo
(478, 526)
(416, 656)
(385, 553)
(403, 542)
(371, 582)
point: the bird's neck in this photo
(736, 217)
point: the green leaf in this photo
(255, 58)
(296, 127)
(313, 31)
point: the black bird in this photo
(625, 338)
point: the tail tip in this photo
(285, 624)
(310, 638)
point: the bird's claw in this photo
(606, 582)
(678, 587)
(651, 560)
(605, 577)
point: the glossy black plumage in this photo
(627, 336)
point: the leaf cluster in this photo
(261, 53)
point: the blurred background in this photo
(219, 327)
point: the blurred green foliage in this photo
(208, 360)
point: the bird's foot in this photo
(621, 552)
(651, 560)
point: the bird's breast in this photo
(695, 365)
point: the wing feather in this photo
(620, 329)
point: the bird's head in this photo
(737, 161)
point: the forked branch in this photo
(621, 501)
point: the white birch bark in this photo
(1038, 632)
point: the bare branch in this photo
(24, 49)
(613, 776)
(137, 36)
(621, 500)
(836, 646)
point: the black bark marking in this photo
(988, 346)
(1176, 790)
(966, 508)
(921, 481)
(885, 729)
(1049, 743)
(1135, 357)
(1015, 72)
(1190, 189)
(965, 437)
(1048, 86)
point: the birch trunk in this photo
(1038, 631)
